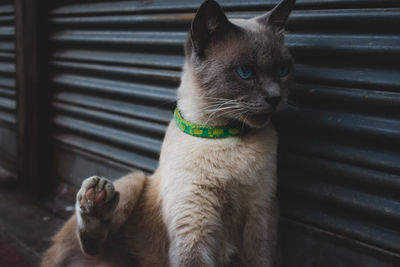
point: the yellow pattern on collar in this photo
(203, 130)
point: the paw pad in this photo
(95, 194)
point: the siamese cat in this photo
(212, 200)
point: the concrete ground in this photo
(25, 228)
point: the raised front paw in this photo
(97, 197)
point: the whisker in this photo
(219, 112)
(217, 107)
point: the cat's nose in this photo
(273, 101)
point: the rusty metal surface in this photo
(8, 141)
(115, 67)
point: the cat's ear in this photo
(210, 21)
(278, 16)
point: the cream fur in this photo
(245, 167)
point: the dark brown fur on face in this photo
(211, 202)
(230, 44)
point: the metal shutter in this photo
(340, 140)
(8, 127)
(115, 69)
(111, 85)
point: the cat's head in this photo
(241, 68)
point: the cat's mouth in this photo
(258, 120)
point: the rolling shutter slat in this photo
(170, 6)
(138, 59)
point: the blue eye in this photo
(244, 72)
(284, 71)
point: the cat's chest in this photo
(243, 160)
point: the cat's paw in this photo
(97, 198)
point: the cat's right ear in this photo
(210, 22)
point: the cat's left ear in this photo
(278, 16)
(210, 22)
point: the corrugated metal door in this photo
(115, 69)
(340, 139)
(8, 127)
(113, 82)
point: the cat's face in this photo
(241, 67)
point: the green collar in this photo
(203, 130)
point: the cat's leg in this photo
(94, 208)
(97, 223)
(260, 235)
(195, 229)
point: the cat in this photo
(212, 200)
